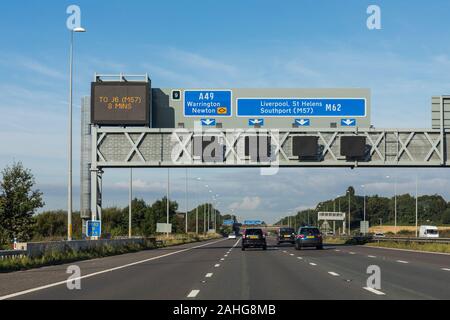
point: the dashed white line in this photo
(351, 252)
(337, 250)
(216, 265)
(446, 269)
(222, 259)
(209, 275)
(9, 296)
(291, 254)
(193, 293)
(402, 261)
(284, 251)
(313, 264)
(377, 292)
(334, 273)
(371, 256)
(300, 258)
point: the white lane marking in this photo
(284, 251)
(371, 256)
(300, 258)
(225, 255)
(351, 252)
(193, 293)
(337, 250)
(291, 254)
(222, 259)
(334, 273)
(374, 291)
(407, 250)
(20, 293)
(313, 264)
(402, 261)
(216, 265)
(209, 275)
(446, 269)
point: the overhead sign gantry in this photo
(134, 125)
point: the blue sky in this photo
(220, 44)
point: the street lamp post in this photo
(186, 200)
(417, 204)
(395, 203)
(364, 219)
(349, 220)
(167, 200)
(69, 150)
(130, 202)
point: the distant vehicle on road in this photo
(428, 232)
(379, 235)
(254, 238)
(286, 235)
(232, 235)
(308, 237)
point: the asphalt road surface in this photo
(219, 270)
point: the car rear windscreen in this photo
(307, 231)
(257, 232)
(286, 231)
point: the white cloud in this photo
(247, 204)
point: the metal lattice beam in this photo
(144, 147)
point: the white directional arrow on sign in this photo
(208, 122)
(256, 121)
(348, 122)
(302, 122)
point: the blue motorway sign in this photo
(93, 228)
(303, 122)
(348, 122)
(254, 122)
(252, 222)
(207, 103)
(292, 107)
(228, 222)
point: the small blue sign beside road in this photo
(302, 122)
(291, 107)
(252, 222)
(255, 122)
(207, 103)
(93, 228)
(228, 222)
(348, 122)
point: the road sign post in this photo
(364, 227)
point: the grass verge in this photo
(331, 240)
(57, 258)
(430, 247)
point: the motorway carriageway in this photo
(219, 270)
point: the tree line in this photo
(432, 209)
(19, 202)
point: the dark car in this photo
(308, 237)
(286, 235)
(254, 238)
